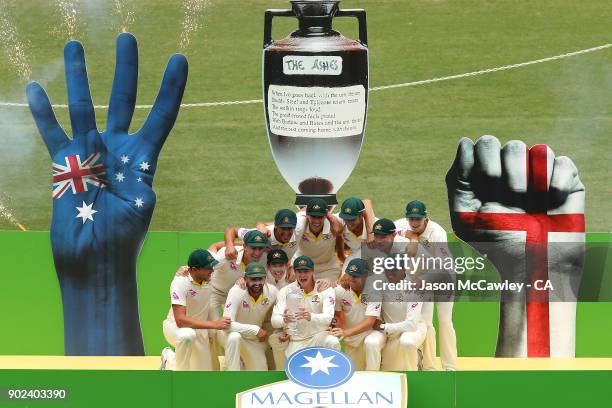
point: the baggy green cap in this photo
(255, 270)
(416, 209)
(285, 219)
(316, 207)
(356, 267)
(277, 256)
(201, 258)
(351, 208)
(303, 262)
(255, 239)
(384, 226)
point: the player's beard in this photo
(255, 289)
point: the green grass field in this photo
(216, 168)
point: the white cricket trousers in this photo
(397, 352)
(357, 353)
(448, 338)
(321, 339)
(252, 352)
(193, 347)
(278, 349)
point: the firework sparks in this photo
(191, 21)
(6, 213)
(68, 9)
(124, 9)
(15, 50)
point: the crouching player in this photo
(307, 322)
(188, 322)
(403, 326)
(359, 317)
(247, 309)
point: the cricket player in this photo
(358, 315)
(248, 309)
(403, 327)
(189, 320)
(277, 266)
(280, 234)
(316, 231)
(227, 271)
(357, 218)
(313, 319)
(432, 238)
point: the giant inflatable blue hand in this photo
(102, 197)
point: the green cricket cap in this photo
(277, 256)
(303, 262)
(416, 209)
(316, 207)
(351, 208)
(357, 267)
(255, 239)
(255, 270)
(384, 226)
(201, 258)
(285, 219)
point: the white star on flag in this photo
(125, 159)
(319, 363)
(138, 202)
(86, 212)
(139, 179)
(119, 177)
(144, 166)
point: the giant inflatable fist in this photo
(524, 208)
(103, 198)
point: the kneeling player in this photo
(359, 316)
(248, 308)
(308, 325)
(188, 322)
(403, 327)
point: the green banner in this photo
(30, 289)
(468, 389)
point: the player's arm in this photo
(263, 227)
(366, 324)
(323, 320)
(336, 226)
(278, 312)
(231, 311)
(215, 247)
(182, 320)
(340, 248)
(369, 217)
(409, 324)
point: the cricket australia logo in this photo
(324, 377)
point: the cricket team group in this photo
(270, 290)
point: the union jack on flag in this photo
(77, 175)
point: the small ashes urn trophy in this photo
(315, 89)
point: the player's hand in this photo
(102, 196)
(290, 275)
(344, 281)
(284, 336)
(496, 194)
(230, 252)
(222, 324)
(337, 332)
(322, 284)
(241, 282)
(411, 235)
(262, 335)
(303, 314)
(377, 324)
(289, 317)
(261, 227)
(182, 271)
